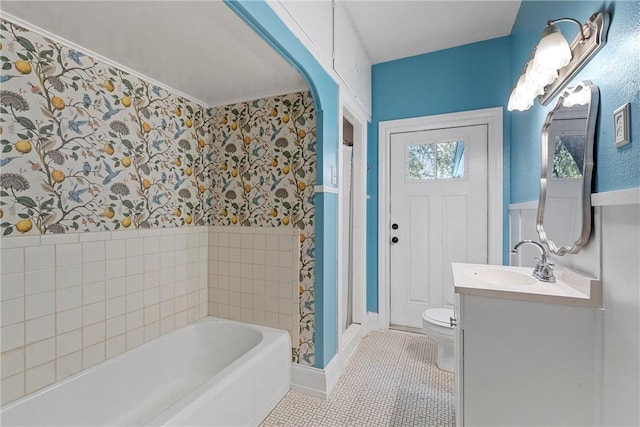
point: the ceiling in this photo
(393, 29)
(185, 43)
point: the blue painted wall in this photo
(616, 71)
(259, 16)
(464, 78)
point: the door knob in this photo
(394, 226)
(394, 240)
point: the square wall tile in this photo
(39, 281)
(93, 252)
(12, 286)
(12, 260)
(12, 362)
(40, 376)
(39, 258)
(12, 388)
(68, 254)
(40, 352)
(68, 365)
(39, 305)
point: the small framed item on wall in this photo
(621, 126)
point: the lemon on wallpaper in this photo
(188, 171)
(126, 101)
(224, 212)
(178, 162)
(178, 212)
(274, 212)
(1, 213)
(302, 237)
(274, 162)
(300, 290)
(302, 186)
(57, 175)
(57, 102)
(126, 161)
(24, 225)
(234, 219)
(224, 121)
(146, 183)
(286, 169)
(274, 112)
(109, 212)
(188, 123)
(22, 66)
(177, 111)
(247, 140)
(234, 125)
(285, 118)
(224, 166)
(247, 188)
(302, 133)
(146, 127)
(108, 86)
(188, 219)
(108, 148)
(202, 188)
(285, 220)
(126, 222)
(23, 146)
(202, 143)
(234, 172)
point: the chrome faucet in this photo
(544, 268)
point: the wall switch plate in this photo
(334, 175)
(621, 126)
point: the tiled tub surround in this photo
(71, 301)
(254, 276)
(89, 147)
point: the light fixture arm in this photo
(575, 21)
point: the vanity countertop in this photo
(499, 281)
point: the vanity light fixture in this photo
(554, 62)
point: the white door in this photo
(346, 299)
(438, 215)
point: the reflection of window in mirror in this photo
(568, 157)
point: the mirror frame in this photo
(592, 117)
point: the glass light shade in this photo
(553, 50)
(580, 96)
(539, 77)
(522, 96)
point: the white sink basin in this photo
(497, 276)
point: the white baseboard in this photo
(320, 382)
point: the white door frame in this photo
(349, 339)
(492, 117)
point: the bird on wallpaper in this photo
(111, 111)
(164, 124)
(256, 200)
(179, 131)
(256, 151)
(75, 56)
(208, 156)
(178, 181)
(225, 184)
(74, 124)
(86, 100)
(6, 78)
(261, 180)
(86, 168)
(74, 194)
(157, 197)
(312, 146)
(156, 90)
(226, 138)
(163, 178)
(110, 174)
(275, 182)
(157, 143)
(275, 131)
(6, 160)
(254, 104)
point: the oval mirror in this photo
(564, 210)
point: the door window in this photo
(435, 161)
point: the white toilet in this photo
(436, 325)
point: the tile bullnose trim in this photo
(325, 189)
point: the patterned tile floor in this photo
(391, 380)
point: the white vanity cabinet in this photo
(522, 362)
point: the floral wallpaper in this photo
(88, 147)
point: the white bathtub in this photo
(212, 372)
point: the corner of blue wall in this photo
(259, 16)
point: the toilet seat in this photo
(438, 316)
